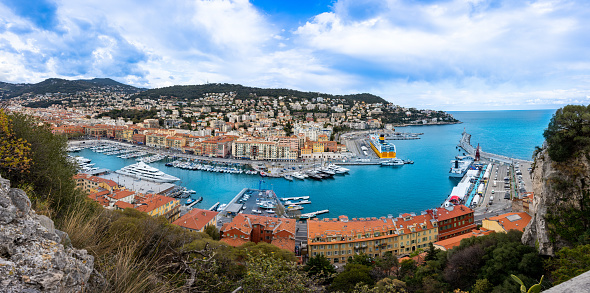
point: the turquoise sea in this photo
(374, 191)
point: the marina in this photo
(369, 190)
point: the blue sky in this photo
(447, 54)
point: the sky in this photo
(443, 55)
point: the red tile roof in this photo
(455, 241)
(153, 203)
(196, 219)
(513, 221)
(452, 212)
(123, 205)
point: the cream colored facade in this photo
(262, 150)
(340, 239)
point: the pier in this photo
(198, 200)
(214, 207)
(294, 198)
(313, 214)
(465, 144)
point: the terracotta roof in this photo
(196, 219)
(121, 194)
(235, 242)
(344, 227)
(123, 205)
(284, 243)
(244, 223)
(153, 203)
(513, 221)
(455, 241)
(452, 212)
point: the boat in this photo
(189, 201)
(294, 207)
(142, 171)
(288, 177)
(263, 174)
(381, 147)
(298, 176)
(393, 162)
(460, 166)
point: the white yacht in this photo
(142, 171)
(393, 162)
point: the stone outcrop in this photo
(32, 258)
(551, 194)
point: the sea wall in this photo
(32, 256)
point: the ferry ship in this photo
(382, 148)
(460, 166)
(142, 171)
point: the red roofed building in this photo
(197, 220)
(92, 184)
(159, 205)
(449, 243)
(506, 222)
(339, 239)
(243, 228)
(121, 195)
(453, 221)
(121, 205)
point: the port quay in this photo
(508, 179)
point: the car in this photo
(507, 196)
(493, 191)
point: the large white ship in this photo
(460, 166)
(142, 171)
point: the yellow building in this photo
(506, 222)
(339, 239)
(159, 205)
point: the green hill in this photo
(64, 86)
(243, 92)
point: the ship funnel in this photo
(382, 138)
(456, 164)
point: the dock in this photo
(294, 198)
(214, 207)
(313, 214)
(198, 200)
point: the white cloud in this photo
(458, 54)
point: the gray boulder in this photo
(31, 256)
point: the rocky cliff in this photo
(559, 209)
(32, 257)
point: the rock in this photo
(20, 200)
(31, 256)
(547, 195)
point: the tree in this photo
(407, 268)
(568, 132)
(352, 275)
(14, 150)
(385, 263)
(362, 259)
(212, 231)
(319, 265)
(569, 263)
(48, 180)
(482, 286)
(431, 252)
(266, 273)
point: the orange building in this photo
(339, 239)
(197, 220)
(453, 221)
(244, 228)
(506, 222)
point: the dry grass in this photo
(116, 258)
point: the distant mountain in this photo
(57, 85)
(243, 92)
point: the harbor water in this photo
(374, 191)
